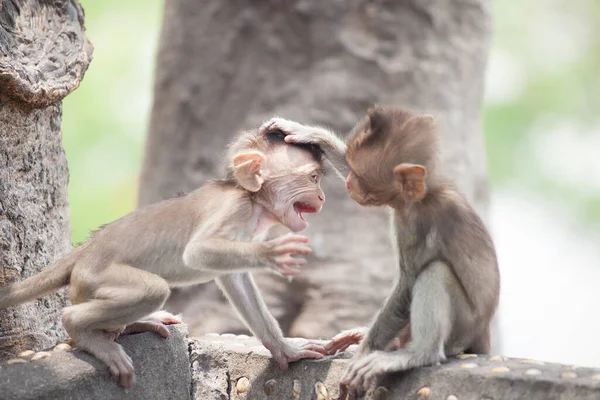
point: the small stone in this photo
(381, 393)
(321, 391)
(596, 377)
(40, 355)
(26, 353)
(242, 385)
(465, 356)
(497, 358)
(533, 372)
(212, 334)
(452, 397)
(568, 375)
(296, 390)
(499, 370)
(468, 365)
(270, 387)
(62, 347)
(424, 392)
(228, 335)
(242, 337)
(16, 361)
(532, 362)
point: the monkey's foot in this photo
(147, 326)
(110, 353)
(288, 353)
(164, 317)
(113, 334)
(343, 340)
(363, 372)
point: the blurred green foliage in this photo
(547, 54)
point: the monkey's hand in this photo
(343, 340)
(281, 251)
(288, 352)
(361, 373)
(294, 132)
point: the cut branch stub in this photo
(43, 50)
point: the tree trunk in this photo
(227, 65)
(45, 54)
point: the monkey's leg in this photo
(120, 295)
(431, 325)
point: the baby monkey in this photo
(448, 285)
(122, 274)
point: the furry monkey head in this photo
(283, 178)
(392, 154)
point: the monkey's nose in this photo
(321, 198)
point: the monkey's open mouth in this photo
(302, 207)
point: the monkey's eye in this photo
(315, 177)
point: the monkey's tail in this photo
(47, 281)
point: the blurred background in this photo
(542, 134)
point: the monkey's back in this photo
(154, 237)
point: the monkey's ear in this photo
(379, 120)
(246, 170)
(410, 181)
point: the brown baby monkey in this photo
(122, 275)
(448, 286)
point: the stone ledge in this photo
(161, 367)
(229, 367)
(237, 367)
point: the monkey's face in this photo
(292, 186)
(369, 183)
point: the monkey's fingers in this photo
(318, 347)
(165, 317)
(288, 271)
(268, 125)
(292, 248)
(305, 354)
(122, 369)
(291, 237)
(287, 261)
(147, 326)
(291, 138)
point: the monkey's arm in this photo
(333, 146)
(390, 320)
(245, 297)
(225, 255)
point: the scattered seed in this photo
(568, 375)
(321, 391)
(26, 353)
(40, 355)
(242, 385)
(533, 372)
(296, 389)
(532, 362)
(424, 392)
(468, 365)
(465, 356)
(16, 361)
(62, 347)
(499, 370)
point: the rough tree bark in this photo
(44, 54)
(227, 65)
